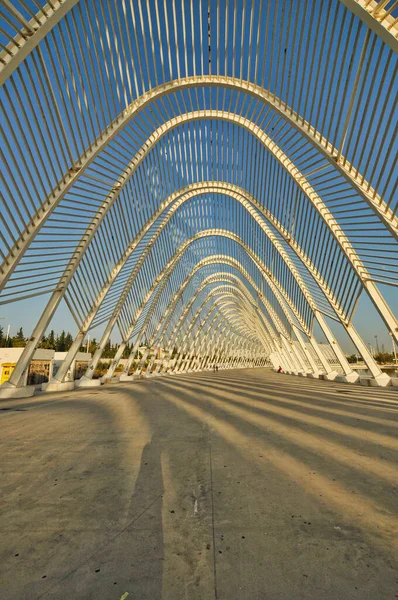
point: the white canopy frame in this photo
(160, 74)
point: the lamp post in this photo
(394, 350)
(8, 331)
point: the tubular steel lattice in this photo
(214, 178)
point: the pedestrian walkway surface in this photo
(233, 485)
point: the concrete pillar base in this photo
(329, 376)
(315, 375)
(394, 381)
(114, 379)
(8, 391)
(382, 380)
(350, 378)
(124, 378)
(86, 382)
(58, 386)
(134, 377)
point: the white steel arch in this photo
(261, 326)
(322, 145)
(279, 327)
(241, 196)
(278, 290)
(379, 19)
(161, 282)
(325, 215)
(141, 140)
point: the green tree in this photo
(19, 341)
(383, 357)
(92, 346)
(352, 358)
(43, 343)
(61, 345)
(107, 352)
(51, 342)
(68, 341)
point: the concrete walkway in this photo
(236, 485)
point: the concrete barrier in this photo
(350, 378)
(8, 391)
(86, 382)
(382, 381)
(57, 386)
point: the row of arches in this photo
(111, 206)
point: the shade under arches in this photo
(214, 179)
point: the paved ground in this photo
(239, 485)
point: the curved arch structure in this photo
(174, 174)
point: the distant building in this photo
(43, 366)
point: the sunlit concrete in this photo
(57, 386)
(87, 382)
(9, 391)
(233, 485)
